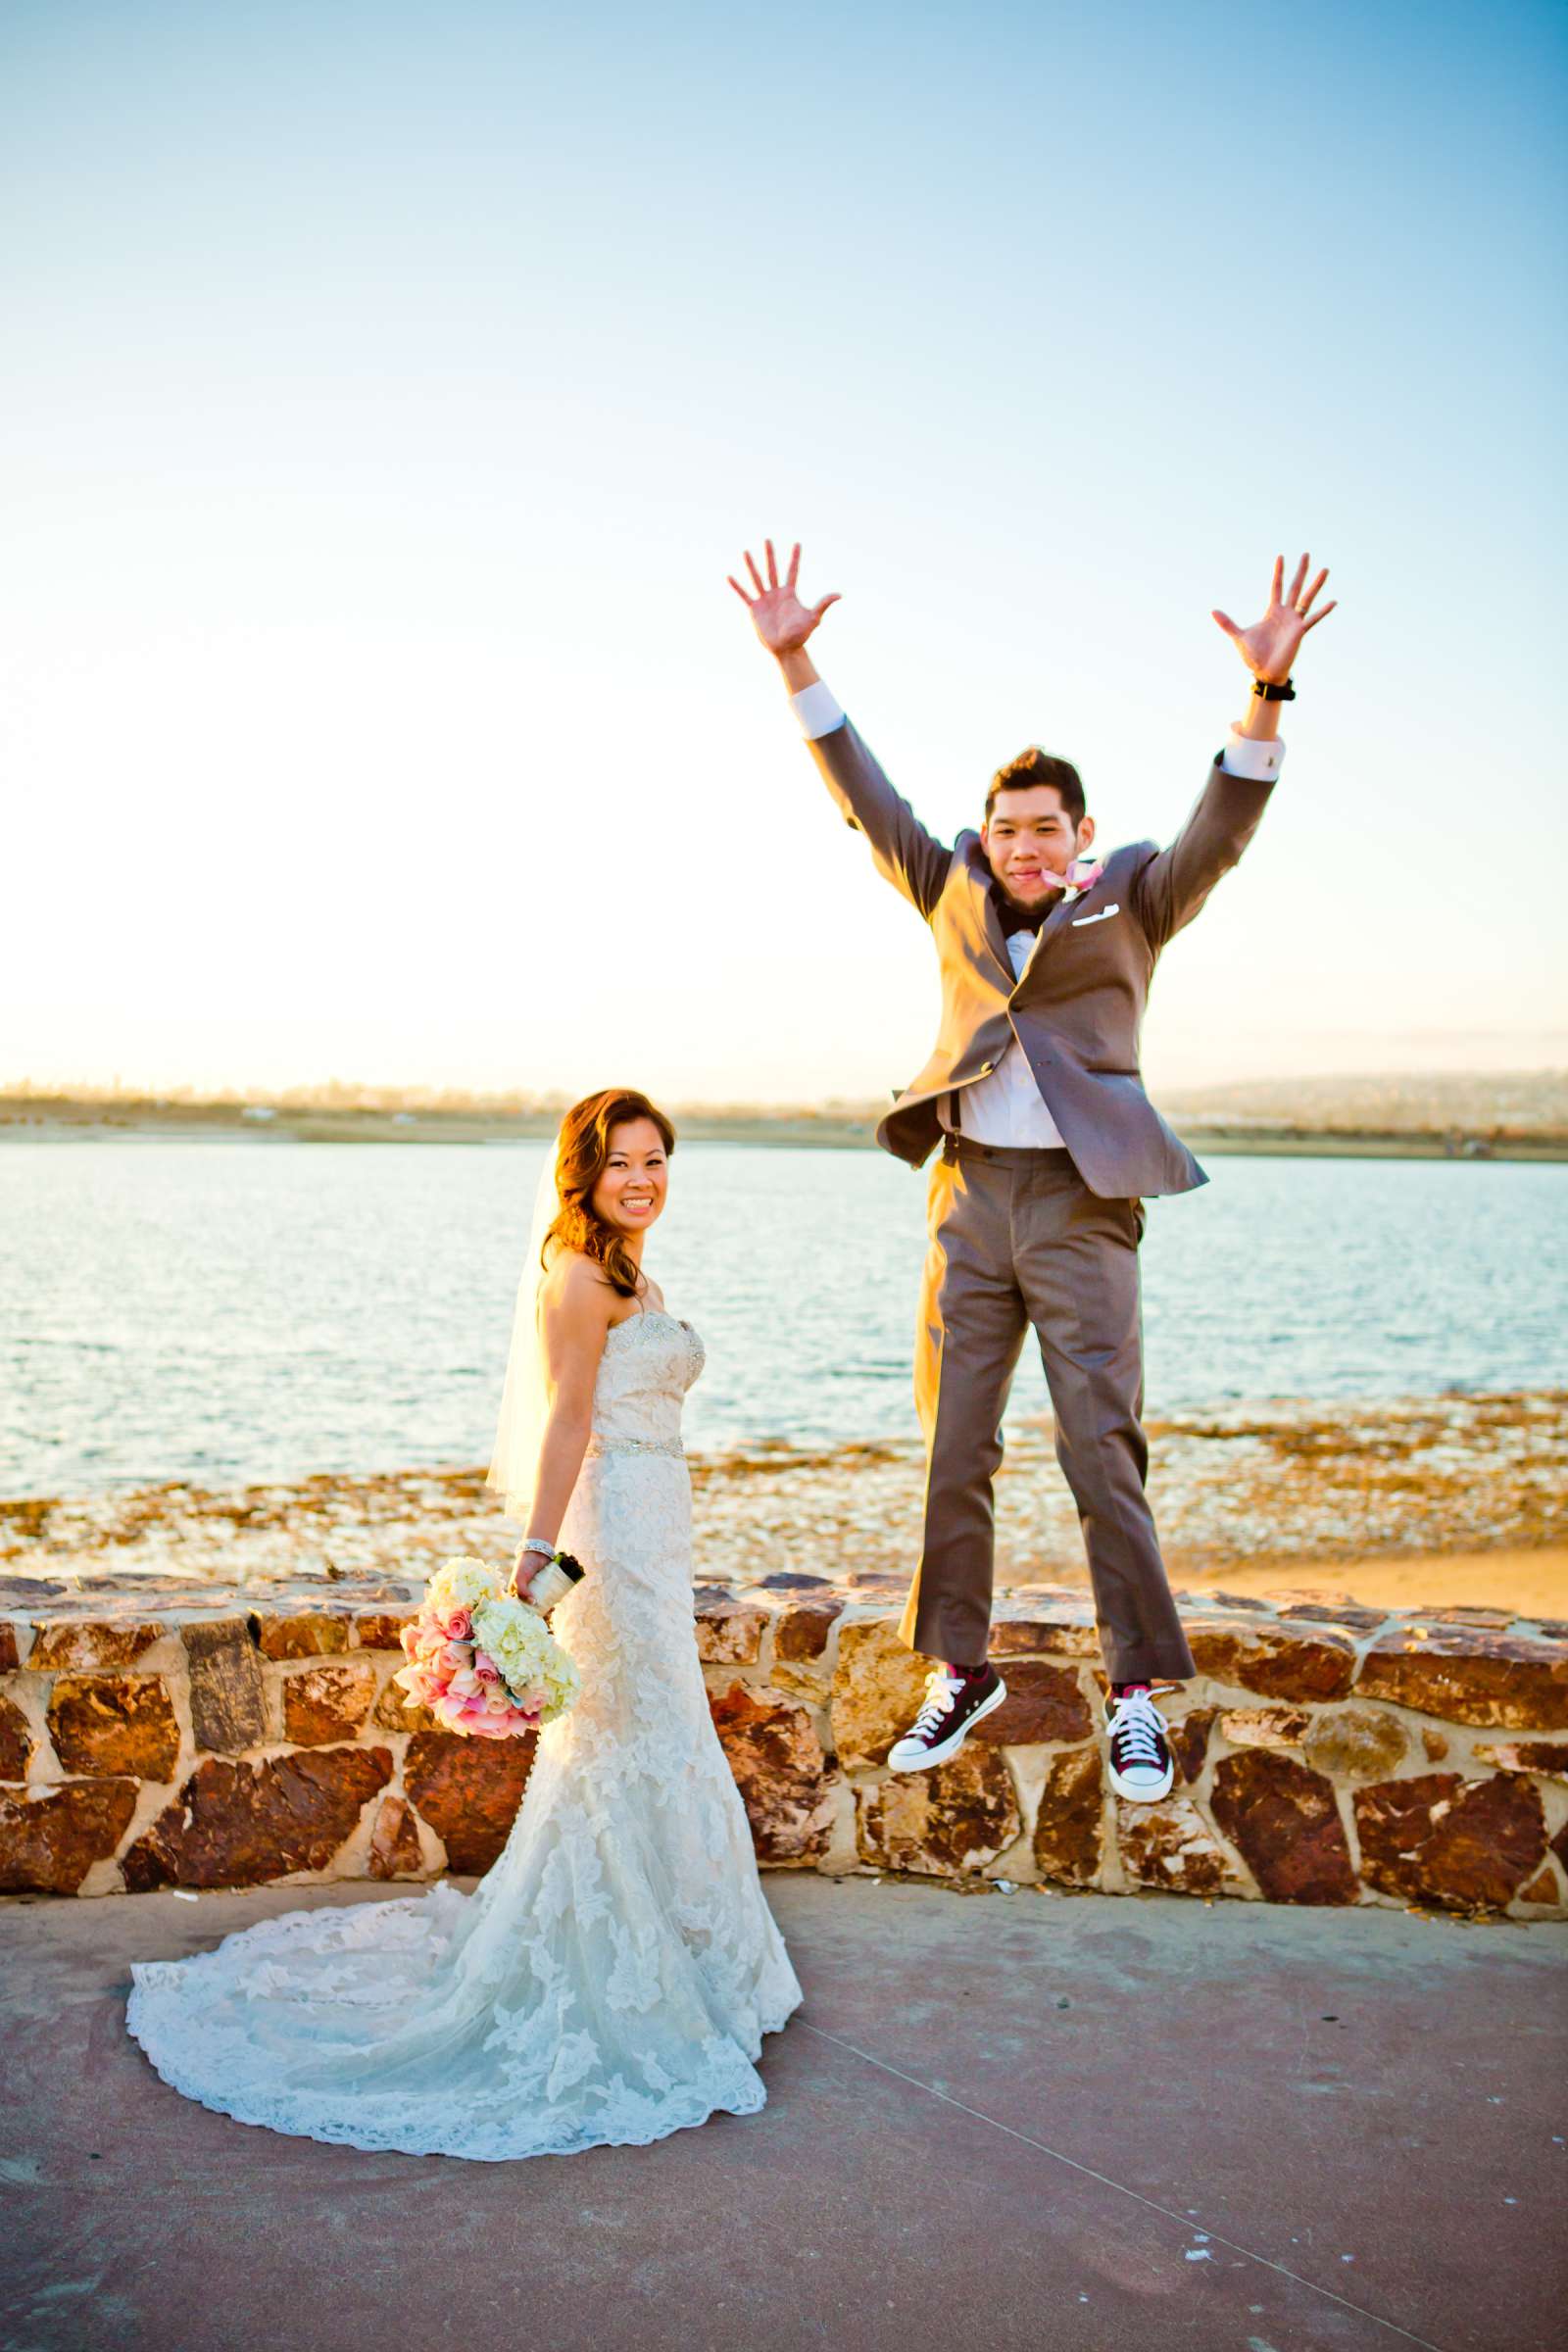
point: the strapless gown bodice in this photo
(649, 1363)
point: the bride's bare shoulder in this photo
(574, 1283)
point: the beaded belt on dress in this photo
(635, 1446)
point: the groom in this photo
(1048, 1148)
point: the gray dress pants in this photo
(1016, 1238)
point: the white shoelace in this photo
(941, 1692)
(1138, 1726)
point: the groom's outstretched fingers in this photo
(780, 619)
(1305, 605)
(1271, 643)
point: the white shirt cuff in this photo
(1250, 757)
(819, 711)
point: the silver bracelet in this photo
(536, 1543)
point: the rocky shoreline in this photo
(1303, 1487)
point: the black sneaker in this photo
(954, 1706)
(1140, 1763)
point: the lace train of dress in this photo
(612, 1977)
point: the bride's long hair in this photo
(582, 1154)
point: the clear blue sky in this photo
(388, 391)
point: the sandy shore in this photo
(1458, 1499)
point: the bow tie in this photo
(1081, 875)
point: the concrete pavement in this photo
(1074, 2124)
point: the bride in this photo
(613, 1977)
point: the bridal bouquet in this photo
(482, 1660)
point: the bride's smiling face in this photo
(630, 1192)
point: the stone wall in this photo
(1326, 1756)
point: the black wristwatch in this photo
(1268, 692)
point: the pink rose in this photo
(486, 1667)
(459, 1625)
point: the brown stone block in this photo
(1346, 1613)
(26, 1592)
(1264, 1726)
(395, 1711)
(1070, 1825)
(1543, 1887)
(1065, 1633)
(1170, 1845)
(9, 1651)
(1276, 1665)
(878, 1686)
(1559, 1845)
(469, 1791)
(1357, 1744)
(1469, 1675)
(239, 1825)
(51, 1838)
(804, 1630)
(325, 1703)
(395, 1842)
(1282, 1818)
(1188, 1741)
(1468, 1845)
(780, 1771)
(1468, 1614)
(85, 1644)
(227, 1696)
(1548, 1757)
(306, 1634)
(17, 1742)
(729, 1633)
(955, 1818)
(1043, 1702)
(114, 1724)
(382, 1629)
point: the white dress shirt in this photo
(1008, 1107)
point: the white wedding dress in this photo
(611, 1978)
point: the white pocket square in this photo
(1103, 916)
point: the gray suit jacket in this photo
(1079, 1007)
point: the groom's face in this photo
(1030, 841)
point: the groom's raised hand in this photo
(1270, 646)
(780, 619)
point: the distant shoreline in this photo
(28, 1119)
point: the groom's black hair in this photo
(1035, 767)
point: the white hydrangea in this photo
(463, 1582)
(530, 1658)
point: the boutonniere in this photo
(1082, 875)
